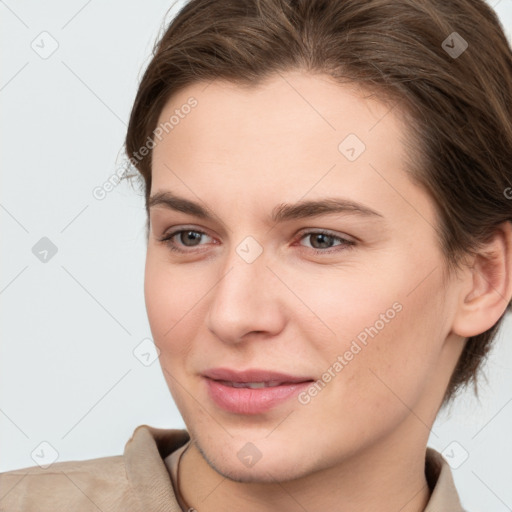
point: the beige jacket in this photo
(139, 480)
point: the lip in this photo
(252, 375)
(252, 400)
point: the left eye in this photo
(321, 240)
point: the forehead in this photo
(293, 135)
(284, 110)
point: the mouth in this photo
(252, 391)
(253, 385)
(254, 376)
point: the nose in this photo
(246, 301)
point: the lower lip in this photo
(251, 401)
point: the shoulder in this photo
(94, 484)
(136, 480)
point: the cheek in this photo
(172, 303)
(336, 307)
(388, 332)
(382, 379)
(400, 339)
(173, 299)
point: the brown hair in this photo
(459, 105)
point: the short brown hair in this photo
(459, 106)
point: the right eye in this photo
(184, 236)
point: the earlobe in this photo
(487, 288)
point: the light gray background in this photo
(68, 374)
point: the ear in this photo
(486, 286)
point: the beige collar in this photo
(147, 473)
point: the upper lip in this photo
(252, 375)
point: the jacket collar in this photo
(439, 477)
(146, 470)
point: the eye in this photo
(186, 238)
(322, 240)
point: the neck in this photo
(387, 477)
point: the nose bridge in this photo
(244, 299)
(245, 268)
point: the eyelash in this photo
(344, 245)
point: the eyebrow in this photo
(280, 213)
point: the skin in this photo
(360, 443)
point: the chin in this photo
(266, 470)
(263, 474)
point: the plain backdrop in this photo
(71, 288)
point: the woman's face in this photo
(361, 311)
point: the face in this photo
(345, 296)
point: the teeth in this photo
(252, 385)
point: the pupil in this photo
(191, 236)
(320, 237)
